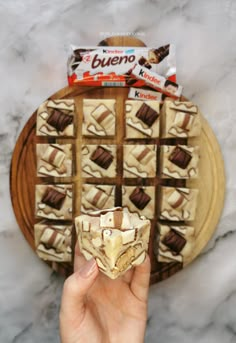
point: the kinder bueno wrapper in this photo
(113, 66)
(144, 94)
(157, 82)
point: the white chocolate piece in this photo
(166, 254)
(58, 210)
(99, 117)
(117, 239)
(139, 161)
(172, 170)
(53, 242)
(178, 203)
(180, 119)
(135, 127)
(54, 160)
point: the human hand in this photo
(97, 309)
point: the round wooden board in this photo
(211, 182)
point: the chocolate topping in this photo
(174, 241)
(139, 198)
(53, 198)
(59, 120)
(180, 157)
(102, 157)
(147, 115)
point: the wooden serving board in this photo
(211, 182)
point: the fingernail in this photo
(88, 269)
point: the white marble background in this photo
(199, 303)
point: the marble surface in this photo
(196, 305)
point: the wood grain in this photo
(23, 175)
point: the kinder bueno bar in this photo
(144, 94)
(112, 66)
(157, 81)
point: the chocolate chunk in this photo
(174, 241)
(130, 81)
(180, 157)
(147, 65)
(102, 157)
(59, 120)
(147, 115)
(142, 60)
(53, 198)
(139, 198)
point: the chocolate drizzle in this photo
(59, 120)
(147, 115)
(180, 157)
(174, 241)
(102, 157)
(53, 198)
(139, 198)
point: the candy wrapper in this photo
(156, 81)
(145, 94)
(113, 66)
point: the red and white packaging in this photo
(157, 81)
(113, 66)
(144, 94)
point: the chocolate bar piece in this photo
(99, 117)
(98, 161)
(180, 119)
(53, 242)
(178, 204)
(53, 198)
(147, 115)
(102, 157)
(56, 118)
(180, 157)
(54, 160)
(176, 199)
(139, 198)
(139, 161)
(97, 197)
(157, 55)
(179, 162)
(54, 201)
(174, 241)
(59, 120)
(116, 238)
(142, 119)
(143, 62)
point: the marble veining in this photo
(196, 305)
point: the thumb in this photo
(75, 290)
